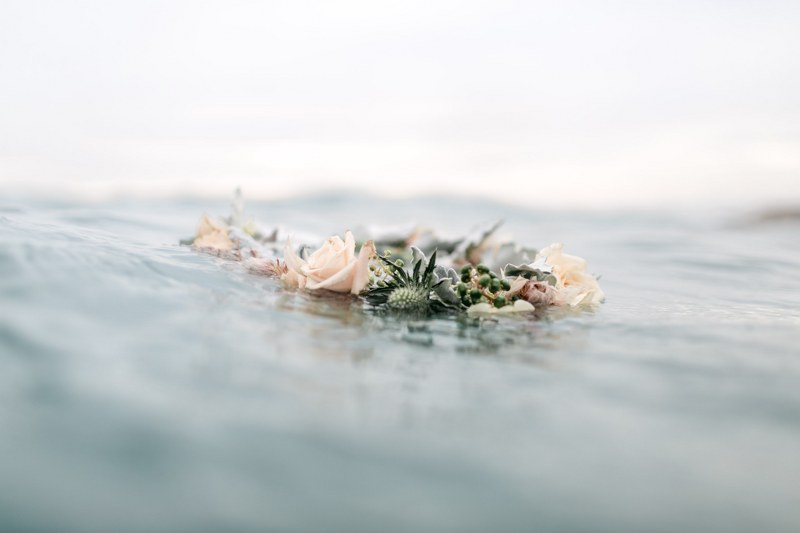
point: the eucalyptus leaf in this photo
(445, 292)
(442, 272)
(417, 254)
(538, 270)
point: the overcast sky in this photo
(563, 104)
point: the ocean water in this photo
(146, 387)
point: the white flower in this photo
(520, 306)
(574, 285)
(334, 267)
(212, 234)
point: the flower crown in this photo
(460, 276)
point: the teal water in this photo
(145, 387)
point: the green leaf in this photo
(417, 266)
(429, 270)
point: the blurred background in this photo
(565, 105)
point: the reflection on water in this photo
(144, 387)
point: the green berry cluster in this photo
(481, 285)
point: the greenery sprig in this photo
(418, 291)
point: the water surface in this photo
(145, 387)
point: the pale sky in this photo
(558, 104)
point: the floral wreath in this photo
(456, 276)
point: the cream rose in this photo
(574, 285)
(334, 267)
(212, 234)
